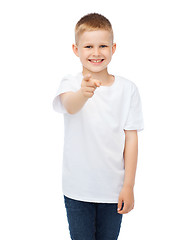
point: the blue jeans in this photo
(92, 221)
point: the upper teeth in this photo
(96, 60)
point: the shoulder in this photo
(71, 78)
(127, 83)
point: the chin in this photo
(95, 70)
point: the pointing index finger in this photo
(87, 77)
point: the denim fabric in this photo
(92, 221)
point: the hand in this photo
(127, 196)
(89, 85)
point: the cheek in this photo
(82, 57)
(85, 55)
(109, 54)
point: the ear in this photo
(113, 48)
(75, 49)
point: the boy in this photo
(102, 114)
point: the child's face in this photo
(95, 50)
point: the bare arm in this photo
(130, 157)
(74, 101)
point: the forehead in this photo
(96, 36)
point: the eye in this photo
(88, 46)
(103, 46)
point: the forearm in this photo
(130, 160)
(74, 101)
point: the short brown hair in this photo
(92, 22)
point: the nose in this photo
(96, 51)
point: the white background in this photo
(155, 50)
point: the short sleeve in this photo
(67, 84)
(135, 119)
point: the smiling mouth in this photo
(96, 60)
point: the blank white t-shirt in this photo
(94, 139)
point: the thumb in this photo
(97, 83)
(119, 204)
